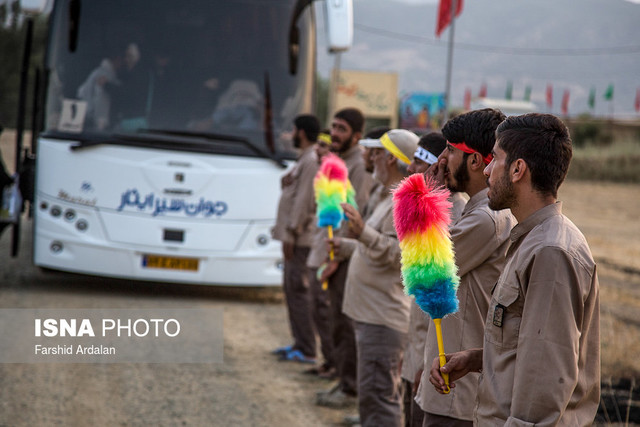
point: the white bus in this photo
(509, 107)
(162, 141)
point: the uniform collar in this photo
(476, 200)
(538, 217)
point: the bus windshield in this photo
(178, 67)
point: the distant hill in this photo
(490, 37)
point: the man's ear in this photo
(475, 161)
(357, 136)
(391, 159)
(518, 170)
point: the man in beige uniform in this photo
(480, 241)
(374, 296)
(540, 362)
(430, 146)
(295, 228)
(346, 131)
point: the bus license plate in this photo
(170, 263)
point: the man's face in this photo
(341, 135)
(380, 164)
(367, 156)
(501, 193)
(418, 166)
(322, 149)
(456, 173)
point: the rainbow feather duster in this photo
(421, 216)
(330, 188)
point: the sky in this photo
(572, 46)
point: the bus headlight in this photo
(262, 240)
(56, 247)
(82, 225)
(69, 214)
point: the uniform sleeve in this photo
(474, 240)
(381, 247)
(347, 247)
(304, 201)
(546, 371)
(362, 182)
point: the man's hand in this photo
(329, 268)
(436, 170)
(356, 224)
(286, 180)
(458, 365)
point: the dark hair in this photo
(309, 124)
(475, 128)
(353, 116)
(543, 142)
(434, 142)
(377, 132)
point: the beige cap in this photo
(399, 142)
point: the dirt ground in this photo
(251, 388)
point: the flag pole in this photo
(447, 92)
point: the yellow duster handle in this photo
(443, 359)
(325, 284)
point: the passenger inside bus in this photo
(240, 107)
(130, 97)
(97, 89)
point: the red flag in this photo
(565, 102)
(638, 100)
(444, 14)
(467, 99)
(549, 96)
(483, 91)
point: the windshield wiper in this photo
(218, 137)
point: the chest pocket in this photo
(502, 325)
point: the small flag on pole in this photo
(592, 98)
(483, 91)
(444, 14)
(549, 96)
(467, 99)
(608, 95)
(565, 102)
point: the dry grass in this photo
(617, 162)
(609, 216)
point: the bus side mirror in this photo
(339, 21)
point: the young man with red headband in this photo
(430, 146)
(480, 238)
(540, 358)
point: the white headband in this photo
(425, 155)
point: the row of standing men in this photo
(375, 340)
